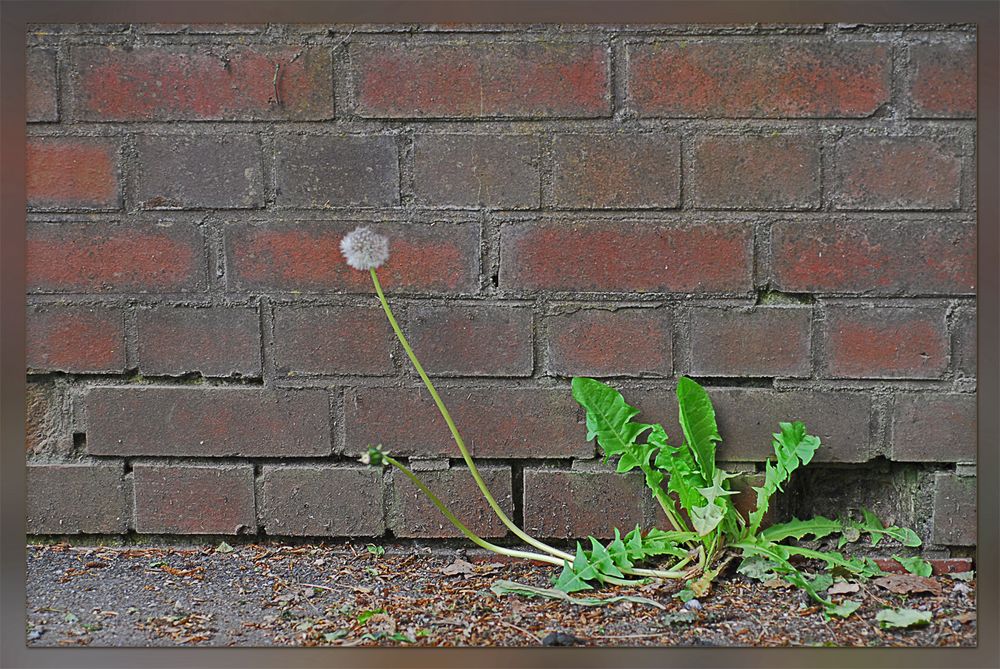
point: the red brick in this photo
(333, 340)
(96, 257)
(77, 499)
(939, 566)
(896, 173)
(180, 499)
(322, 501)
(755, 172)
(201, 83)
(878, 257)
(322, 171)
(476, 170)
(202, 171)
(616, 171)
(758, 78)
(577, 504)
(494, 422)
(602, 342)
(768, 341)
(41, 87)
(942, 80)
(964, 352)
(626, 257)
(934, 428)
(207, 422)
(461, 340)
(69, 338)
(400, 79)
(72, 173)
(747, 417)
(886, 343)
(413, 515)
(305, 256)
(216, 341)
(955, 517)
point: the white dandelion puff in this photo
(364, 248)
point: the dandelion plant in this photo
(706, 528)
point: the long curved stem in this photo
(524, 536)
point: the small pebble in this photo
(962, 588)
(693, 604)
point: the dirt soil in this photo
(350, 595)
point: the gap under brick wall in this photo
(784, 213)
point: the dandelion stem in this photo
(458, 438)
(472, 536)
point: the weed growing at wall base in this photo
(707, 532)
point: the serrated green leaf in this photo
(818, 527)
(600, 560)
(915, 565)
(757, 567)
(876, 530)
(902, 618)
(512, 588)
(844, 609)
(792, 448)
(706, 518)
(609, 417)
(697, 419)
(619, 553)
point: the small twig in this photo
(537, 638)
(274, 82)
(320, 587)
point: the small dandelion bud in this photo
(373, 456)
(364, 248)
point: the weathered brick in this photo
(616, 171)
(942, 80)
(762, 78)
(626, 257)
(476, 170)
(204, 171)
(755, 172)
(40, 417)
(494, 422)
(332, 340)
(766, 341)
(72, 173)
(577, 504)
(182, 499)
(964, 343)
(70, 338)
(954, 510)
(207, 421)
(201, 83)
(77, 499)
(400, 79)
(322, 501)
(412, 515)
(41, 87)
(462, 340)
(216, 341)
(305, 256)
(747, 417)
(619, 342)
(934, 428)
(885, 342)
(96, 257)
(201, 28)
(322, 171)
(896, 173)
(877, 257)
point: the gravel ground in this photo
(349, 595)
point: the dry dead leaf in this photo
(906, 584)
(776, 583)
(843, 588)
(459, 567)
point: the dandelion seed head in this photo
(364, 248)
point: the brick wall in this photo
(786, 213)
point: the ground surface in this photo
(263, 595)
